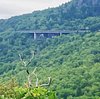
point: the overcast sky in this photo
(10, 8)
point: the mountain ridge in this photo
(54, 17)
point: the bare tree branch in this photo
(26, 64)
(33, 54)
(46, 84)
(33, 73)
(21, 59)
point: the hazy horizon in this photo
(9, 8)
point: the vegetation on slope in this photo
(72, 61)
(12, 91)
(72, 15)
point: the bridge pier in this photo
(47, 35)
(34, 35)
(38, 35)
(60, 33)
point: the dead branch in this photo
(33, 73)
(27, 71)
(30, 78)
(46, 84)
(21, 59)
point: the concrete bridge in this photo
(50, 33)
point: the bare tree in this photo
(30, 75)
(26, 67)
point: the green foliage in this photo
(15, 92)
(72, 60)
(67, 16)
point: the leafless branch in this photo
(33, 54)
(21, 59)
(46, 84)
(33, 73)
(30, 75)
(26, 64)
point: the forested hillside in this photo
(72, 60)
(73, 15)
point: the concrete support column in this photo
(34, 36)
(60, 33)
(41, 35)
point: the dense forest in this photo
(73, 15)
(72, 61)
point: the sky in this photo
(10, 8)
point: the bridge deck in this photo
(51, 31)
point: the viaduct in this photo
(51, 33)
